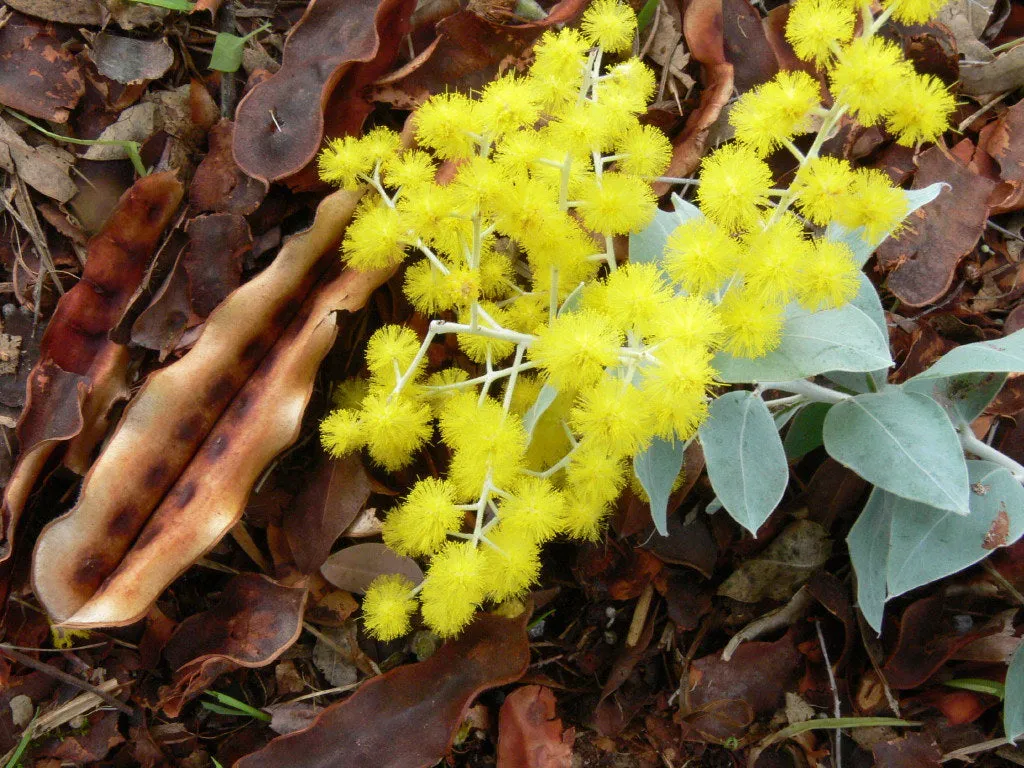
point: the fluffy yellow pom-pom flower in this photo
(376, 238)
(776, 111)
(342, 432)
(774, 255)
(631, 297)
(914, 11)
(387, 606)
(646, 151)
(535, 509)
(409, 170)
(423, 521)
(507, 104)
(394, 428)
(821, 187)
(700, 256)
(815, 27)
(511, 563)
(609, 24)
(630, 86)
(869, 76)
(617, 204)
(445, 123)
(922, 112)
(486, 442)
(597, 473)
(829, 278)
(734, 185)
(753, 329)
(677, 388)
(560, 55)
(575, 349)
(344, 161)
(614, 414)
(453, 589)
(586, 517)
(692, 321)
(390, 351)
(873, 203)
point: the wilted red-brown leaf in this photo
(168, 420)
(254, 622)
(353, 568)
(530, 735)
(333, 495)
(922, 259)
(927, 638)
(160, 325)
(219, 185)
(406, 718)
(688, 543)
(753, 680)
(916, 750)
(279, 124)
(746, 45)
(467, 53)
(81, 372)
(217, 244)
(1003, 140)
(38, 76)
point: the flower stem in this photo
(983, 450)
(813, 392)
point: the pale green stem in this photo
(785, 402)
(518, 361)
(809, 390)
(400, 384)
(469, 383)
(432, 257)
(985, 451)
(439, 327)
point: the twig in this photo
(64, 677)
(971, 749)
(837, 711)
(643, 606)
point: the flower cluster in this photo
(571, 363)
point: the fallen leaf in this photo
(213, 263)
(530, 735)
(777, 572)
(467, 53)
(96, 737)
(279, 124)
(161, 325)
(129, 60)
(80, 372)
(87, 13)
(1002, 140)
(337, 655)
(1003, 73)
(333, 494)
(219, 185)
(45, 168)
(921, 261)
(916, 750)
(254, 622)
(927, 638)
(353, 568)
(406, 718)
(38, 76)
(723, 697)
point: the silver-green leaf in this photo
(927, 544)
(903, 442)
(745, 459)
(1005, 355)
(868, 542)
(657, 468)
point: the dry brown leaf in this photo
(353, 568)
(777, 572)
(129, 60)
(38, 76)
(45, 168)
(88, 13)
